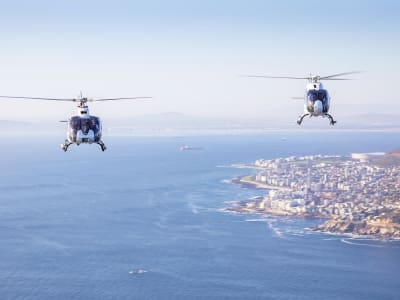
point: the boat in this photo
(187, 147)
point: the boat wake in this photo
(271, 225)
(137, 271)
(283, 230)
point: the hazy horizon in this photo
(177, 124)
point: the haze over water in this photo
(142, 221)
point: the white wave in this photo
(395, 240)
(256, 220)
(351, 241)
(231, 202)
(44, 242)
(296, 234)
(274, 229)
(194, 208)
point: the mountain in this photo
(390, 159)
(370, 121)
(174, 120)
(14, 127)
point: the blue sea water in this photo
(82, 224)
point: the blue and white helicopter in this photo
(83, 128)
(316, 98)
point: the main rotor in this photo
(310, 78)
(80, 99)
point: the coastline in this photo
(330, 226)
(371, 229)
(244, 181)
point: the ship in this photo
(187, 147)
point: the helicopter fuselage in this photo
(317, 100)
(83, 129)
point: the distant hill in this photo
(371, 120)
(183, 121)
(390, 159)
(11, 127)
(7, 123)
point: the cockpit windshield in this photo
(84, 124)
(314, 95)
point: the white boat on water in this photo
(187, 147)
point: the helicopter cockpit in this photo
(85, 125)
(314, 95)
(321, 95)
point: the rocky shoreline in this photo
(382, 230)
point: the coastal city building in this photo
(355, 195)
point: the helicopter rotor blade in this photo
(279, 77)
(123, 98)
(340, 74)
(38, 98)
(329, 77)
(336, 79)
(74, 100)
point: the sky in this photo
(188, 55)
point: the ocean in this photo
(143, 220)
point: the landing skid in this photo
(300, 119)
(102, 145)
(65, 145)
(332, 121)
(68, 143)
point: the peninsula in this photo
(358, 194)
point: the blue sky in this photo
(187, 54)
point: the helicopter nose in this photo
(318, 107)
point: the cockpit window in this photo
(85, 124)
(314, 95)
(75, 123)
(94, 124)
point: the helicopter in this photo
(83, 128)
(316, 98)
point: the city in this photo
(358, 195)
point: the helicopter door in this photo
(323, 97)
(73, 127)
(95, 126)
(312, 96)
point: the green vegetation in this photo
(248, 178)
